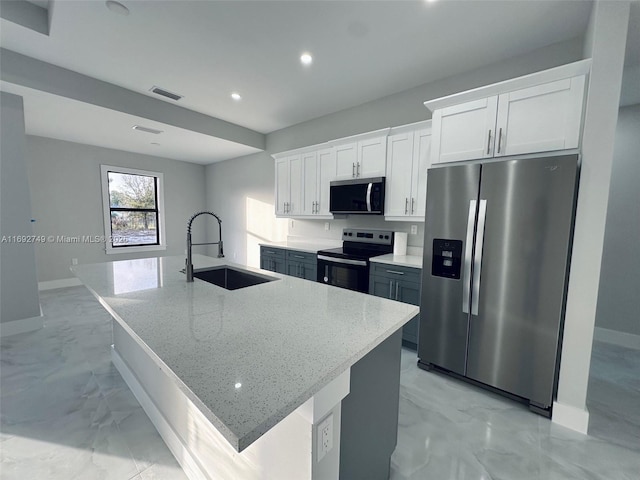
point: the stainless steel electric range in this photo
(348, 267)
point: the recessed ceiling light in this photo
(236, 96)
(117, 7)
(306, 59)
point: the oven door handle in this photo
(361, 263)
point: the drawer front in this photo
(276, 253)
(396, 272)
(304, 257)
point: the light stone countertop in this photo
(414, 261)
(310, 246)
(283, 341)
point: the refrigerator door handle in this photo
(477, 264)
(468, 250)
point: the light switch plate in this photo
(414, 229)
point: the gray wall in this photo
(241, 191)
(18, 285)
(67, 200)
(620, 272)
(254, 175)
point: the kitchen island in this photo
(285, 379)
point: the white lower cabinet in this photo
(408, 159)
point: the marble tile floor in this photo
(65, 413)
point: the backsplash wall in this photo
(315, 229)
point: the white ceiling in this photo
(58, 117)
(204, 50)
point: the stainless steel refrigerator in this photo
(496, 256)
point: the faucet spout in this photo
(190, 244)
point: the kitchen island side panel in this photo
(204, 454)
(369, 426)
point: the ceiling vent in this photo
(165, 93)
(147, 129)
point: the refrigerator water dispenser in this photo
(447, 258)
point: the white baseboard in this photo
(24, 325)
(571, 417)
(628, 340)
(189, 464)
(62, 283)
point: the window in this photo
(133, 210)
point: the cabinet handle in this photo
(301, 271)
(353, 169)
(489, 143)
(397, 290)
(412, 205)
(499, 139)
(390, 288)
(298, 256)
(358, 170)
(395, 271)
(406, 205)
(313, 207)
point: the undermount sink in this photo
(231, 278)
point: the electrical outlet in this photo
(325, 437)
(74, 261)
(414, 229)
(327, 225)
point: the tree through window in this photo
(133, 208)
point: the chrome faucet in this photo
(189, 267)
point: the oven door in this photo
(344, 272)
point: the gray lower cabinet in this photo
(302, 265)
(289, 262)
(401, 284)
(273, 259)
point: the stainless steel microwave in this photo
(360, 195)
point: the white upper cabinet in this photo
(289, 197)
(346, 160)
(421, 162)
(541, 112)
(310, 184)
(302, 182)
(408, 159)
(361, 156)
(372, 157)
(282, 185)
(465, 131)
(326, 173)
(541, 118)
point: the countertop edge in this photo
(260, 430)
(409, 261)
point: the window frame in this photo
(106, 207)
